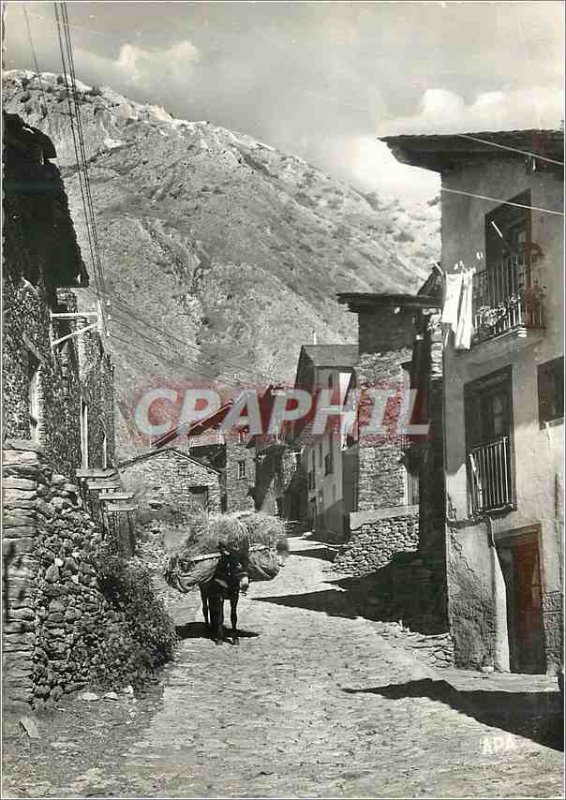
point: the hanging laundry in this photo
(452, 299)
(465, 318)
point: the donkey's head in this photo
(234, 562)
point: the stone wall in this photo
(60, 631)
(436, 650)
(385, 344)
(553, 620)
(26, 341)
(162, 481)
(239, 490)
(76, 370)
(376, 537)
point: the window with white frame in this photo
(33, 396)
(84, 434)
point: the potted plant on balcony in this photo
(487, 320)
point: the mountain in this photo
(222, 255)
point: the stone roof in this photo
(332, 355)
(36, 202)
(443, 152)
(163, 452)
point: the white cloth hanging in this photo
(452, 299)
(464, 329)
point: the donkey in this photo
(229, 579)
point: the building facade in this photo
(58, 387)
(171, 484)
(502, 253)
(326, 459)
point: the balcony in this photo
(507, 297)
(489, 471)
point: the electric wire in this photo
(77, 154)
(502, 202)
(82, 144)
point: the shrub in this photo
(150, 638)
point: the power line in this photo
(203, 372)
(69, 45)
(167, 360)
(180, 360)
(36, 64)
(506, 147)
(168, 335)
(77, 154)
(502, 202)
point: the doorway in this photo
(520, 562)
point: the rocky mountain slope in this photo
(221, 255)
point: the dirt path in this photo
(313, 703)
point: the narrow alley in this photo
(313, 703)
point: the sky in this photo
(321, 80)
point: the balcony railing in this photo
(506, 297)
(489, 470)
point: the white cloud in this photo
(442, 111)
(368, 164)
(144, 67)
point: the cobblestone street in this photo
(313, 703)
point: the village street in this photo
(304, 707)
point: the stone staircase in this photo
(108, 503)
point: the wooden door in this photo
(520, 562)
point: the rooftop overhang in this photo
(368, 301)
(446, 152)
(35, 195)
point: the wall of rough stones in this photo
(26, 337)
(76, 369)
(163, 480)
(553, 621)
(376, 536)
(436, 650)
(238, 490)
(60, 631)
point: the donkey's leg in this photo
(204, 598)
(234, 616)
(216, 603)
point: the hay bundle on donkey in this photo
(255, 536)
(268, 544)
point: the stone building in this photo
(226, 454)
(393, 531)
(58, 426)
(172, 484)
(502, 252)
(58, 391)
(326, 459)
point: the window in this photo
(507, 292)
(551, 391)
(84, 434)
(311, 479)
(33, 396)
(241, 437)
(104, 451)
(241, 470)
(328, 464)
(488, 410)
